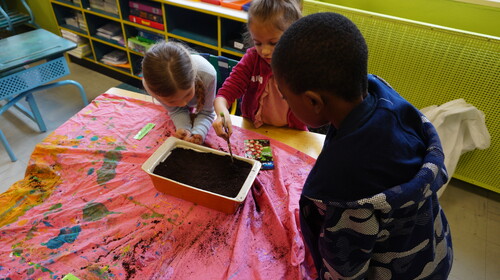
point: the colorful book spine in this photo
(152, 37)
(137, 45)
(146, 15)
(146, 22)
(145, 8)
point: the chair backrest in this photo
(223, 66)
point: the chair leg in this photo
(10, 26)
(82, 91)
(36, 113)
(32, 16)
(7, 146)
(66, 82)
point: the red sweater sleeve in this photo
(237, 83)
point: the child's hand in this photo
(195, 138)
(183, 134)
(219, 126)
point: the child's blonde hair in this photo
(280, 13)
(167, 68)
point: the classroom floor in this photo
(473, 212)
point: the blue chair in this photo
(10, 17)
(19, 78)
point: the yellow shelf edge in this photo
(66, 5)
(73, 31)
(127, 22)
(193, 41)
(136, 53)
(114, 68)
(109, 44)
(102, 15)
(232, 52)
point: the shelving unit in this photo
(206, 28)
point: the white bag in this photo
(461, 128)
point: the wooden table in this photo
(309, 143)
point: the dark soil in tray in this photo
(207, 171)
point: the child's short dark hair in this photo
(323, 52)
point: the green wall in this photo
(459, 15)
(449, 13)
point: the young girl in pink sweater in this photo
(252, 78)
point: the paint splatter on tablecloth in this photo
(86, 207)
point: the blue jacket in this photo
(369, 208)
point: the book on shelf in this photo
(116, 55)
(138, 45)
(149, 8)
(81, 21)
(111, 31)
(147, 36)
(117, 38)
(146, 22)
(72, 36)
(72, 21)
(146, 15)
(108, 6)
(110, 28)
(96, 4)
(125, 65)
(81, 51)
(115, 58)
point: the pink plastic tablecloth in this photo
(86, 207)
